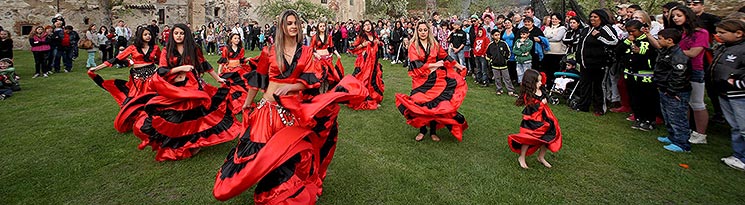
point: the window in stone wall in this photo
(217, 11)
(324, 1)
(26, 29)
(351, 2)
(161, 16)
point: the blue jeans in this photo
(64, 53)
(482, 70)
(521, 68)
(675, 113)
(91, 59)
(460, 56)
(734, 112)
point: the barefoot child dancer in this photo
(539, 128)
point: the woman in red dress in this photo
(323, 47)
(367, 68)
(232, 68)
(184, 114)
(144, 53)
(280, 151)
(438, 88)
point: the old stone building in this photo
(21, 16)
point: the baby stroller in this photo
(564, 86)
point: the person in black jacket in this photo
(397, 36)
(728, 77)
(671, 76)
(497, 54)
(594, 57)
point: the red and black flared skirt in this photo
(238, 88)
(286, 148)
(125, 92)
(182, 119)
(539, 127)
(333, 73)
(436, 98)
(368, 70)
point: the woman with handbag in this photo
(551, 61)
(89, 44)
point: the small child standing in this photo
(671, 75)
(479, 54)
(522, 53)
(539, 128)
(638, 72)
(498, 54)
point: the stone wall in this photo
(15, 14)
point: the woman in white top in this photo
(554, 32)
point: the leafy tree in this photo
(386, 8)
(306, 9)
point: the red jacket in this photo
(480, 45)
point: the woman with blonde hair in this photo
(438, 88)
(288, 141)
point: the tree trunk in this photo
(465, 5)
(106, 7)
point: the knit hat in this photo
(474, 16)
(571, 13)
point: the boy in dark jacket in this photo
(497, 53)
(671, 75)
(637, 60)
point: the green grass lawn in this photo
(59, 147)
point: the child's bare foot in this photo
(419, 137)
(435, 138)
(521, 160)
(544, 162)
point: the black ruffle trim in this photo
(245, 148)
(415, 64)
(176, 116)
(179, 141)
(257, 80)
(373, 80)
(278, 176)
(309, 78)
(222, 60)
(445, 95)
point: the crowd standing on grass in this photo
(621, 61)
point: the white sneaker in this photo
(697, 138)
(45, 75)
(734, 163)
(35, 76)
(393, 62)
(728, 158)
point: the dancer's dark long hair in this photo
(364, 34)
(528, 88)
(230, 41)
(139, 42)
(690, 25)
(190, 55)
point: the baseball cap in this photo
(571, 13)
